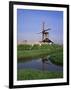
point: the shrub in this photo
(36, 46)
(24, 47)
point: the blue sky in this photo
(29, 23)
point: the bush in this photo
(24, 47)
(35, 46)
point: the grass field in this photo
(29, 74)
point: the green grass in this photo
(57, 58)
(36, 51)
(28, 74)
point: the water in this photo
(43, 64)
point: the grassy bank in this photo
(28, 74)
(36, 51)
(57, 58)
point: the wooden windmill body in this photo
(45, 35)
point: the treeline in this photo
(36, 46)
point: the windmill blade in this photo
(39, 32)
(47, 29)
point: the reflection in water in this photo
(44, 61)
(43, 64)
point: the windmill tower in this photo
(45, 34)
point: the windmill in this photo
(45, 34)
